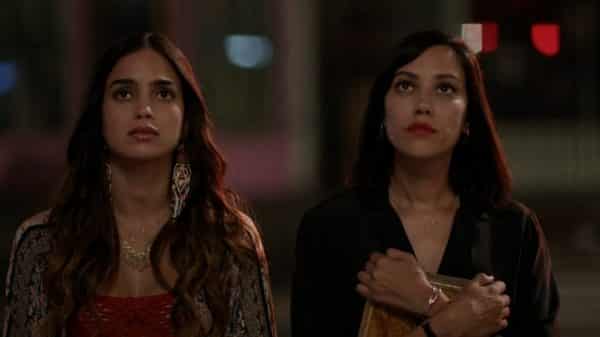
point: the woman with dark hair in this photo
(144, 240)
(430, 194)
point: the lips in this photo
(143, 133)
(421, 128)
(144, 130)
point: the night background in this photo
(286, 83)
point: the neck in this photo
(140, 190)
(421, 183)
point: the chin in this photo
(144, 154)
(424, 152)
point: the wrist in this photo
(441, 326)
(435, 301)
(440, 304)
(427, 330)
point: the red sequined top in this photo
(147, 316)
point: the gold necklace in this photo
(138, 260)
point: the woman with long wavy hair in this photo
(144, 239)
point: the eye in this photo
(165, 94)
(404, 86)
(122, 94)
(446, 88)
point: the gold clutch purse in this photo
(379, 321)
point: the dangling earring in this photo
(180, 183)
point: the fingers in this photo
(369, 281)
(373, 271)
(363, 290)
(365, 277)
(369, 294)
(505, 312)
(392, 257)
(497, 287)
(483, 279)
(398, 254)
(378, 261)
(369, 288)
(375, 257)
(370, 267)
(505, 300)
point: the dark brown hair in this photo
(478, 169)
(85, 250)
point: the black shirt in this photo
(336, 237)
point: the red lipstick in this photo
(421, 128)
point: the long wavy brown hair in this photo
(210, 233)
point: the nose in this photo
(144, 111)
(423, 107)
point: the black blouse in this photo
(336, 237)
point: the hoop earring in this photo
(464, 135)
(382, 132)
(180, 183)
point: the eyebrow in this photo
(121, 81)
(414, 76)
(129, 81)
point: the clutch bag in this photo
(381, 321)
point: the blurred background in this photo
(287, 82)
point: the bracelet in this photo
(435, 296)
(427, 328)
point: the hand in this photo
(395, 280)
(481, 309)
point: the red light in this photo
(481, 37)
(546, 38)
(489, 37)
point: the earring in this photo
(464, 135)
(382, 131)
(180, 183)
(466, 130)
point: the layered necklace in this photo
(138, 259)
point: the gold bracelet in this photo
(435, 296)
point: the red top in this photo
(146, 316)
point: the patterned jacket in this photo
(27, 305)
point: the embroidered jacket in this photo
(27, 305)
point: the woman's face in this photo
(142, 110)
(426, 104)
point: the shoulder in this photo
(512, 211)
(254, 288)
(515, 216)
(31, 241)
(339, 216)
(252, 235)
(34, 227)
